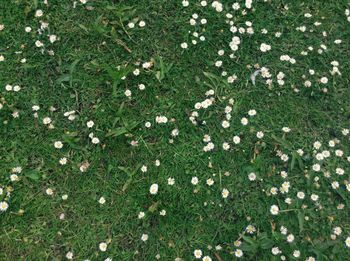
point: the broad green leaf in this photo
(34, 175)
(117, 132)
(153, 207)
(301, 219)
(63, 78)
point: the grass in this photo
(82, 75)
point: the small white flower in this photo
(238, 253)
(58, 145)
(274, 191)
(8, 87)
(141, 215)
(275, 251)
(194, 180)
(259, 134)
(236, 139)
(317, 145)
(147, 65)
(185, 3)
(337, 231)
(265, 47)
(225, 193)
(274, 210)
(38, 13)
(244, 121)
(286, 129)
(184, 45)
(301, 195)
(345, 132)
(171, 181)
(331, 143)
(102, 200)
(161, 119)
(335, 185)
(157, 163)
(226, 146)
(314, 197)
(218, 63)
(39, 44)
(347, 241)
(316, 167)
(69, 255)
(46, 121)
(52, 38)
(219, 8)
(49, 191)
(144, 168)
(14, 177)
(127, 93)
(339, 171)
(3, 206)
(90, 124)
(175, 132)
(252, 112)
(225, 124)
(339, 153)
(102, 246)
(324, 80)
(248, 3)
(252, 176)
(210, 182)
(197, 253)
(144, 237)
(235, 6)
(296, 253)
(153, 189)
(16, 88)
(95, 140)
(290, 238)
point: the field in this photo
(174, 130)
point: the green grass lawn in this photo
(174, 130)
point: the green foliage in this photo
(92, 64)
